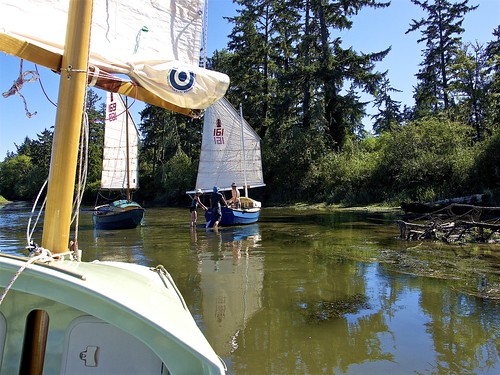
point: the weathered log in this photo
(427, 207)
(493, 227)
(476, 199)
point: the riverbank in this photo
(336, 207)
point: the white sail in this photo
(228, 153)
(114, 165)
(155, 42)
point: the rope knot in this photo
(41, 254)
(27, 76)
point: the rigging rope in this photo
(29, 233)
(167, 279)
(43, 255)
(205, 31)
(43, 88)
(82, 179)
(27, 76)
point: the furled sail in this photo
(115, 171)
(230, 150)
(157, 46)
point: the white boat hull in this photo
(103, 318)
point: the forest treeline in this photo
(302, 92)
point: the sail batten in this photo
(114, 164)
(223, 159)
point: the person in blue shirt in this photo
(216, 202)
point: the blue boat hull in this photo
(232, 216)
(118, 215)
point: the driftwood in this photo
(428, 207)
(455, 223)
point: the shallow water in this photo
(281, 296)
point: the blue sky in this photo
(373, 31)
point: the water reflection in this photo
(118, 245)
(230, 280)
(253, 289)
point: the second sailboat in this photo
(120, 170)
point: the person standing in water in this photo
(216, 202)
(194, 206)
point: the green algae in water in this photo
(321, 311)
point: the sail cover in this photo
(155, 42)
(114, 164)
(228, 154)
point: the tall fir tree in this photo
(164, 135)
(493, 60)
(250, 64)
(96, 112)
(441, 31)
(389, 113)
(471, 86)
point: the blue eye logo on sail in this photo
(181, 80)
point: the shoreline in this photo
(338, 207)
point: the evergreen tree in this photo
(33, 156)
(337, 67)
(440, 33)
(164, 135)
(16, 173)
(39, 151)
(492, 53)
(470, 87)
(283, 50)
(32, 161)
(389, 113)
(249, 47)
(291, 76)
(96, 112)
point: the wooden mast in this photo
(71, 101)
(243, 147)
(128, 150)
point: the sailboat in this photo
(230, 153)
(61, 315)
(119, 167)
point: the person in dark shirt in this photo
(216, 202)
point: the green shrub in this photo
(426, 160)
(177, 177)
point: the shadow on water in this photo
(316, 292)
